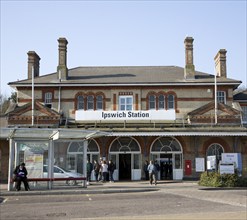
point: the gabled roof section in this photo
(42, 115)
(211, 106)
(38, 107)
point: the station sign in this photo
(81, 115)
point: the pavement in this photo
(190, 189)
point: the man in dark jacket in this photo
(111, 168)
(89, 171)
(20, 173)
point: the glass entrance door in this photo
(124, 166)
(166, 168)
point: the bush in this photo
(214, 179)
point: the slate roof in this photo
(131, 75)
(241, 96)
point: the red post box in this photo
(188, 167)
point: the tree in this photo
(5, 101)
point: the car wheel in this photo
(71, 182)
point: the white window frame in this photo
(170, 102)
(152, 103)
(221, 97)
(99, 102)
(48, 99)
(244, 114)
(161, 103)
(124, 104)
(90, 103)
(80, 102)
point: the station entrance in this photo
(168, 153)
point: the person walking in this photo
(96, 168)
(111, 168)
(152, 170)
(20, 173)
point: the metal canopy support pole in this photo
(11, 160)
(50, 163)
(85, 145)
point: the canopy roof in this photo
(49, 134)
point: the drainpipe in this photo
(59, 99)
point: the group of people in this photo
(103, 170)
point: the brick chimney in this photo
(189, 70)
(220, 63)
(33, 61)
(62, 70)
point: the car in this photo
(59, 172)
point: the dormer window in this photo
(48, 99)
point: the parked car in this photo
(62, 173)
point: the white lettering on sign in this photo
(81, 115)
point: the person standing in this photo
(156, 164)
(111, 168)
(104, 168)
(145, 169)
(89, 171)
(152, 171)
(20, 173)
(100, 169)
(96, 168)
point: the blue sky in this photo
(122, 33)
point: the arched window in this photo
(166, 144)
(125, 144)
(161, 103)
(152, 102)
(215, 150)
(80, 102)
(170, 102)
(99, 102)
(90, 102)
(77, 147)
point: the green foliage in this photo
(214, 179)
(5, 102)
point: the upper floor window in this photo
(99, 102)
(161, 102)
(48, 99)
(90, 102)
(80, 102)
(152, 102)
(221, 97)
(244, 114)
(125, 103)
(170, 102)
